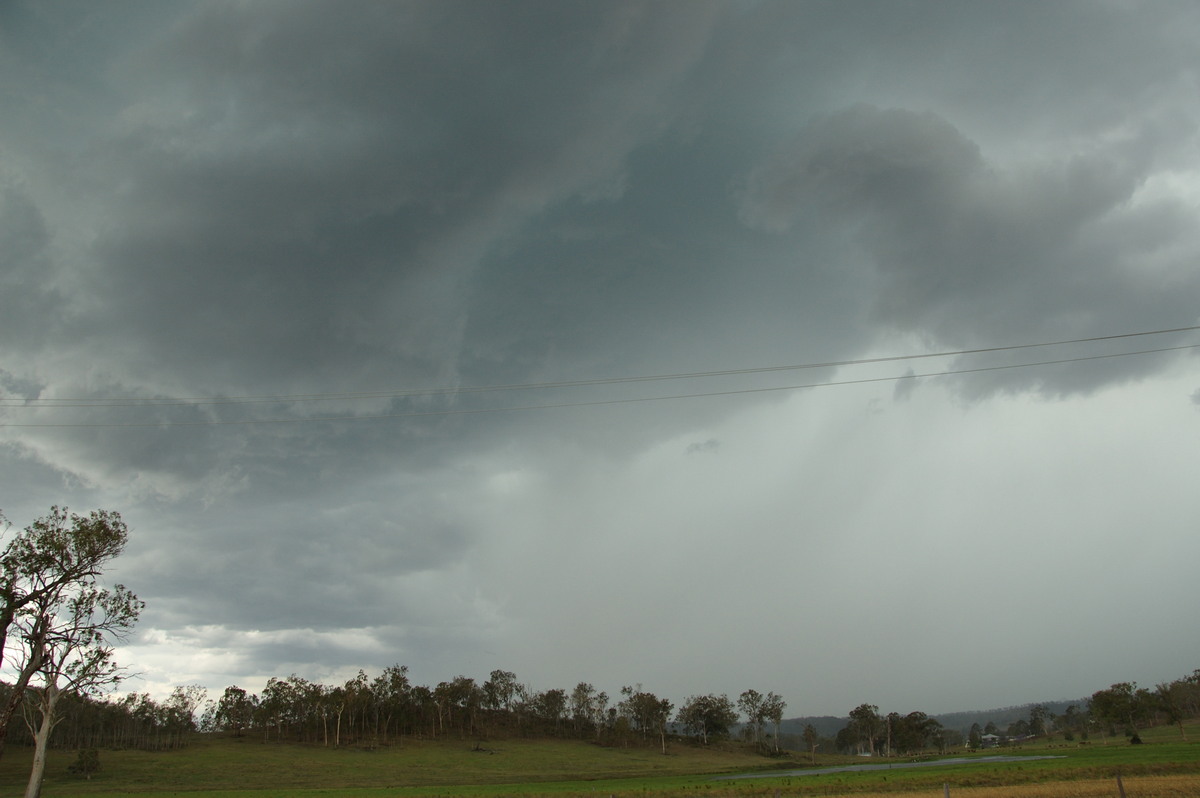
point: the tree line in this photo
(366, 711)
(1121, 709)
(58, 625)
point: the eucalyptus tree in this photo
(500, 690)
(707, 716)
(393, 697)
(550, 706)
(70, 635)
(975, 736)
(646, 713)
(42, 567)
(913, 731)
(235, 710)
(1037, 720)
(179, 713)
(1124, 703)
(587, 709)
(360, 704)
(458, 700)
(772, 710)
(1172, 700)
(811, 740)
(866, 722)
(582, 706)
(284, 704)
(751, 704)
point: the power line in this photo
(456, 390)
(631, 400)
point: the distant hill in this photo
(1004, 716)
(828, 725)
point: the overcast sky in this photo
(257, 260)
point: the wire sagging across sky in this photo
(11, 402)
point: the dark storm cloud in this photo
(245, 202)
(309, 204)
(28, 298)
(970, 252)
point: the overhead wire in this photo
(454, 390)
(620, 380)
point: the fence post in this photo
(946, 789)
(1120, 786)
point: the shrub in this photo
(87, 763)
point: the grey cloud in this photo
(905, 386)
(864, 159)
(29, 300)
(335, 199)
(227, 200)
(955, 238)
(244, 573)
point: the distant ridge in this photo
(829, 725)
(826, 725)
(1003, 716)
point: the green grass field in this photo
(248, 768)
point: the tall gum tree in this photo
(74, 631)
(40, 565)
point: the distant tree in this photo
(1070, 723)
(811, 739)
(1172, 700)
(646, 713)
(235, 710)
(500, 689)
(602, 713)
(1191, 693)
(588, 708)
(707, 716)
(751, 705)
(458, 702)
(178, 713)
(1123, 704)
(393, 697)
(1037, 720)
(945, 738)
(551, 706)
(581, 706)
(424, 707)
(847, 739)
(975, 737)
(866, 723)
(891, 723)
(1018, 728)
(772, 710)
(912, 732)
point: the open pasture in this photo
(225, 767)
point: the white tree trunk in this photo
(41, 738)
